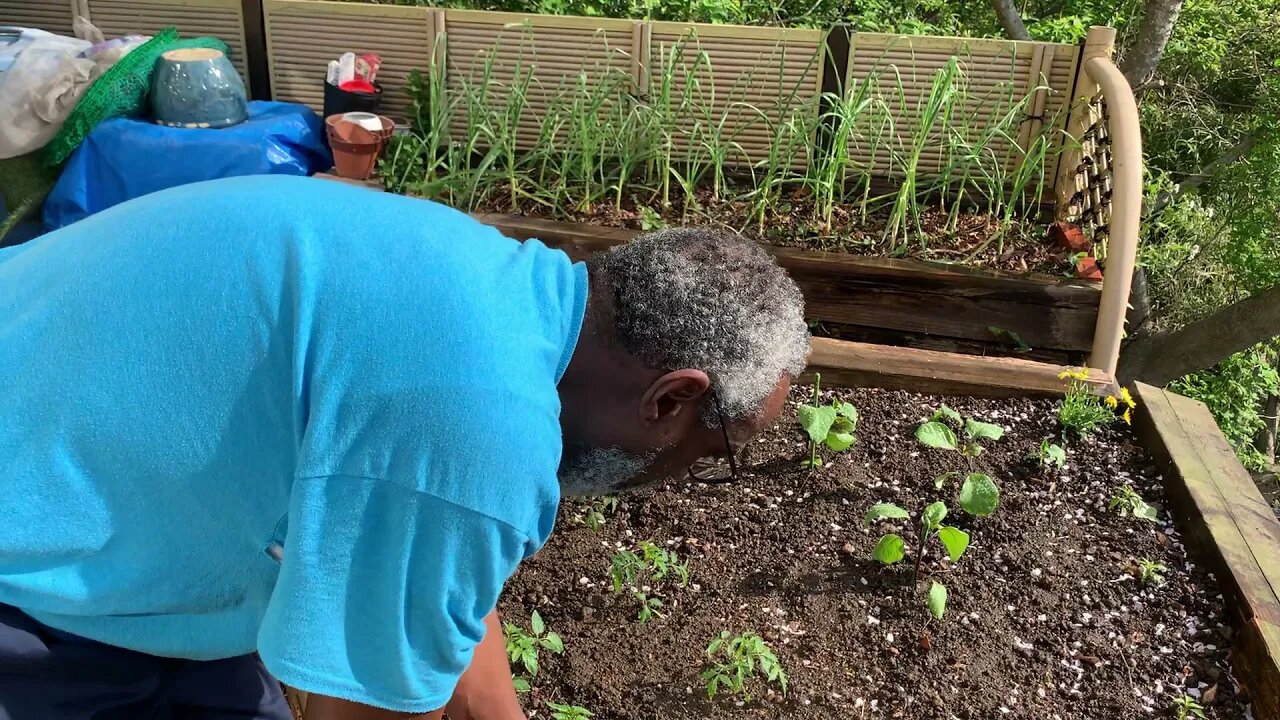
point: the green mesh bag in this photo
(120, 91)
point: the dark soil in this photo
(1046, 619)
(975, 238)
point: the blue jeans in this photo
(46, 674)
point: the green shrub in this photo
(1234, 392)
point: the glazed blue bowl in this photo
(197, 88)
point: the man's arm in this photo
(322, 707)
(484, 691)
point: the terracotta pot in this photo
(355, 161)
(355, 150)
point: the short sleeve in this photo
(382, 592)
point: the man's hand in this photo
(484, 691)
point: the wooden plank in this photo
(929, 298)
(1229, 524)
(851, 364)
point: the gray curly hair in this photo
(707, 299)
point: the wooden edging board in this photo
(1216, 502)
(936, 299)
(854, 364)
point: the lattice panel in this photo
(1090, 205)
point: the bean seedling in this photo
(523, 647)
(979, 494)
(736, 659)
(831, 425)
(1151, 572)
(935, 433)
(568, 712)
(1128, 502)
(892, 548)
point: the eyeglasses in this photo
(717, 470)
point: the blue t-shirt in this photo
(359, 384)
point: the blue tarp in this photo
(127, 157)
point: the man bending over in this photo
(287, 419)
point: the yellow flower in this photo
(1128, 399)
(1127, 416)
(1074, 374)
(1111, 402)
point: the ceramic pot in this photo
(197, 88)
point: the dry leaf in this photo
(1209, 695)
(1090, 660)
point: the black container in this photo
(337, 100)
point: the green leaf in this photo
(810, 463)
(816, 421)
(531, 662)
(982, 431)
(553, 643)
(536, 624)
(890, 549)
(846, 411)
(1053, 454)
(838, 441)
(936, 435)
(1143, 510)
(884, 511)
(934, 514)
(714, 647)
(1011, 336)
(942, 479)
(521, 685)
(841, 436)
(979, 495)
(955, 540)
(944, 412)
(938, 599)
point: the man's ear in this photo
(672, 393)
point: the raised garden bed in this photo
(930, 306)
(1046, 616)
(971, 237)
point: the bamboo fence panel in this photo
(740, 82)
(53, 16)
(223, 19)
(304, 35)
(1013, 89)
(523, 65)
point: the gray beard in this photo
(601, 471)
